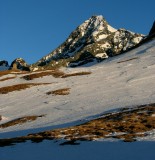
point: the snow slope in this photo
(111, 85)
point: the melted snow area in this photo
(122, 81)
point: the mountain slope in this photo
(130, 75)
(123, 81)
(93, 40)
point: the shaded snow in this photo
(111, 29)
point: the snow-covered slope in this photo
(125, 80)
(122, 81)
(94, 39)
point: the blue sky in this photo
(33, 28)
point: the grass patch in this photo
(63, 91)
(18, 87)
(3, 73)
(75, 74)
(126, 125)
(20, 121)
(54, 73)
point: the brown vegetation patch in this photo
(54, 73)
(75, 74)
(20, 121)
(18, 87)
(128, 60)
(7, 78)
(127, 124)
(3, 73)
(63, 91)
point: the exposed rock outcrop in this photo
(4, 65)
(20, 64)
(94, 40)
(152, 31)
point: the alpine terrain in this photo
(94, 40)
(69, 106)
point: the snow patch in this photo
(111, 29)
(101, 55)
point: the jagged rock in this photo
(4, 65)
(95, 39)
(20, 64)
(152, 31)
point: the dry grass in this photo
(54, 73)
(63, 91)
(3, 73)
(126, 125)
(75, 74)
(8, 78)
(20, 121)
(128, 60)
(18, 87)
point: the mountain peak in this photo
(93, 39)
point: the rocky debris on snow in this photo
(94, 40)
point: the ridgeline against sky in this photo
(33, 28)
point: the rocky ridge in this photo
(4, 65)
(94, 40)
(20, 64)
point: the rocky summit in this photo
(20, 64)
(93, 41)
(4, 65)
